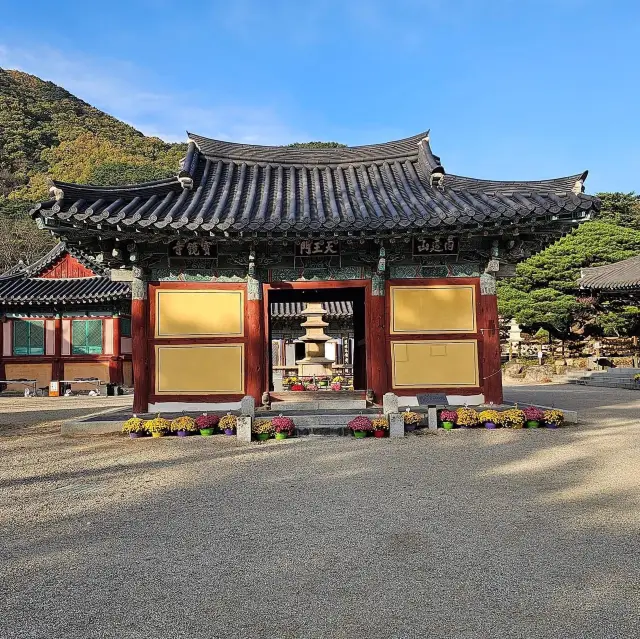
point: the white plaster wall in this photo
(66, 337)
(107, 327)
(125, 346)
(50, 337)
(7, 338)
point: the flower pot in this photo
(447, 425)
(136, 435)
(409, 427)
(262, 436)
(282, 435)
(182, 433)
(490, 425)
(229, 431)
(379, 433)
(551, 425)
(359, 434)
(159, 434)
(532, 423)
(206, 432)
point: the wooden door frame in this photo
(301, 286)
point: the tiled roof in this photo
(239, 188)
(293, 310)
(20, 287)
(620, 276)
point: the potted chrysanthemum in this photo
(448, 419)
(283, 426)
(158, 426)
(262, 428)
(228, 424)
(183, 425)
(380, 426)
(467, 417)
(360, 426)
(207, 424)
(553, 418)
(135, 427)
(533, 416)
(298, 386)
(489, 418)
(411, 420)
(513, 418)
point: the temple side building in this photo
(414, 249)
(63, 318)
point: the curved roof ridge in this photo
(222, 149)
(565, 183)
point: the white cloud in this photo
(126, 92)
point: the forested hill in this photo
(45, 131)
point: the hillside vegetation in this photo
(46, 132)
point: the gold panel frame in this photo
(199, 313)
(434, 364)
(431, 309)
(199, 369)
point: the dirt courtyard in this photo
(455, 534)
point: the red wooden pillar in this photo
(377, 345)
(491, 369)
(57, 368)
(115, 364)
(254, 356)
(139, 347)
(3, 374)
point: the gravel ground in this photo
(458, 534)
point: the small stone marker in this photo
(389, 403)
(243, 429)
(248, 406)
(433, 417)
(396, 425)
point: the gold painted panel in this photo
(199, 313)
(200, 369)
(434, 364)
(40, 372)
(433, 309)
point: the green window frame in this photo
(86, 337)
(125, 327)
(28, 337)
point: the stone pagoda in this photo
(314, 363)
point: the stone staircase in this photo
(319, 413)
(610, 378)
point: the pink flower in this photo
(533, 414)
(361, 422)
(207, 421)
(449, 416)
(282, 424)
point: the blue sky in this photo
(511, 89)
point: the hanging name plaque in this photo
(434, 246)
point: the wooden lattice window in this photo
(86, 337)
(28, 337)
(125, 327)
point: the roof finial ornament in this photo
(578, 187)
(186, 182)
(436, 179)
(55, 191)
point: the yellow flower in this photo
(411, 417)
(554, 416)
(262, 426)
(134, 425)
(228, 421)
(467, 417)
(380, 423)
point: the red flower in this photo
(207, 421)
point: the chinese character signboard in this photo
(433, 246)
(309, 248)
(198, 250)
(318, 252)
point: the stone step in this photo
(316, 396)
(343, 404)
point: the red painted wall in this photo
(67, 266)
